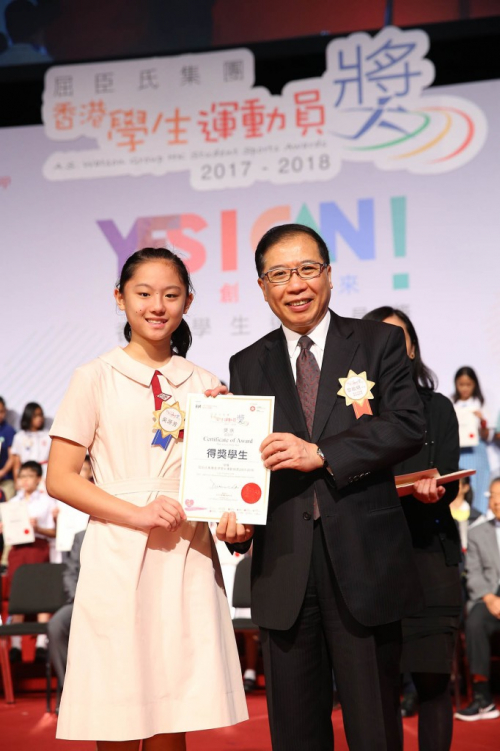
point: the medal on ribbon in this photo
(168, 423)
(356, 389)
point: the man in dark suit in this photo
(332, 570)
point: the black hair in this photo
(27, 415)
(181, 338)
(35, 467)
(87, 458)
(469, 493)
(470, 373)
(2, 401)
(423, 376)
(282, 232)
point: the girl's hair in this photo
(181, 338)
(28, 414)
(470, 373)
(469, 493)
(422, 375)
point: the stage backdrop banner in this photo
(410, 220)
(202, 114)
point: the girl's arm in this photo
(16, 464)
(44, 531)
(65, 483)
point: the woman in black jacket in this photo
(429, 636)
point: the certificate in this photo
(404, 483)
(17, 528)
(69, 521)
(221, 465)
(468, 428)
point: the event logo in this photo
(334, 225)
(202, 114)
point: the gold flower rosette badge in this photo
(356, 389)
(168, 423)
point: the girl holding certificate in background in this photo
(152, 651)
(429, 635)
(469, 405)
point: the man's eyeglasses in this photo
(305, 271)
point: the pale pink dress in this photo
(152, 648)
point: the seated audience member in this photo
(32, 442)
(2, 500)
(7, 434)
(40, 510)
(483, 620)
(60, 622)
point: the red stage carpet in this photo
(24, 726)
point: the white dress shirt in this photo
(318, 336)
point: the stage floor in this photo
(25, 726)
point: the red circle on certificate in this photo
(26, 531)
(251, 493)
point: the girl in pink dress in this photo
(152, 651)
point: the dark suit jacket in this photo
(431, 525)
(366, 532)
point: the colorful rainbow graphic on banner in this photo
(429, 138)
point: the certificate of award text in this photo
(221, 465)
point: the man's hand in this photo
(428, 491)
(218, 390)
(286, 451)
(228, 529)
(492, 602)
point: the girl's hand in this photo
(218, 390)
(427, 491)
(228, 530)
(478, 414)
(162, 512)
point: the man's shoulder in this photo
(361, 327)
(480, 528)
(254, 350)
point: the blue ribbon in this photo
(158, 440)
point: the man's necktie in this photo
(308, 374)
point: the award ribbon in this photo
(357, 390)
(168, 418)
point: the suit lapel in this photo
(339, 352)
(275, 362)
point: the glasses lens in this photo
(306, 271)
(278, 276)
(309, 270)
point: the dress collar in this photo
(176, 371)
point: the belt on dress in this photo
(140, 485)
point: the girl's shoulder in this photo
(204, 375)
(98, 366)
